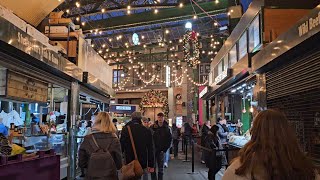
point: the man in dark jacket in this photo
(143, 142)
(204, 132)
(162, 140)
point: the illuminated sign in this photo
(223, 76)
(123, 108)
(203, 92)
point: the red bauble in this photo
(193, 35)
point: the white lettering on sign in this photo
(221, 77)
(123, 108)
(309, 25)
(203, 92)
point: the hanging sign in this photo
(203, 92)
(24, 88)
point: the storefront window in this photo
(225, 62)
(254, 34)
(233, 56)
(243, 49)
(117, 75)
(220, 67)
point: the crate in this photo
(56, 29)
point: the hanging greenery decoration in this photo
(191, 48)
(155, 99)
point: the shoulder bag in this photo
(133, 169)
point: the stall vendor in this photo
(3, 128)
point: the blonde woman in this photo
(103, 138)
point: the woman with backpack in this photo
(100, 152)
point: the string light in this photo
(181, 5)
(195, 17)
(103, 10)
(156, 11)
(77, 4)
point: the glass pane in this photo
(233, 56)
(243, 45)
(220, 68)
(225, 62)
(254, 34)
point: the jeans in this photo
(175, 147)
(167, 156)
(160, 165)
(145, 175)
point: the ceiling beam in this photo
(165, 15)
(123, 8)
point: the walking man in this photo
(162, 140)
(143, 143)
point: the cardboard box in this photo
(33, 32)
(63, 35)
(53, 21)
(59, 46)
(56, 15)
(56, 29)
(64, 20)
(72, 51)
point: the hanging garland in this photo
(191, 48)
(155, 99)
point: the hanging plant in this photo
(191, 48)
(155, 99)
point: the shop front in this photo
(39, 95)
(291, 71)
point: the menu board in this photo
(243, 49)
(3, 81)
(26, 88)
(254, 34)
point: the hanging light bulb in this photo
(251, 109)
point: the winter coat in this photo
(104, 140)
(230, 173)
(143, 143)
(222, 133)
(162, 137)
(175, 133)
(204, 132)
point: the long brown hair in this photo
(274, 151)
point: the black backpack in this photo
(101, 164)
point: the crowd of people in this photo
(266, 156)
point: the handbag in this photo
(133, 169)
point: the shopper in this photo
(213, 159)
(143, 143)
(145, 122)
(162, 140)
(223, 130)
(175, 139)
(273, 153)
(3, 128)
(204, 132)
(187, 134)
(100, 152)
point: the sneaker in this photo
(202, 162)
(165, 165)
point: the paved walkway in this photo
(179, 170)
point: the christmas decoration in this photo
(155, 99)
(191, 48)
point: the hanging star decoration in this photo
(154, 99)
(191, 48)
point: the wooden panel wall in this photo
(278, 21)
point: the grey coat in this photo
(104, 140)
(222, 133)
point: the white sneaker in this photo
(165, 165)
